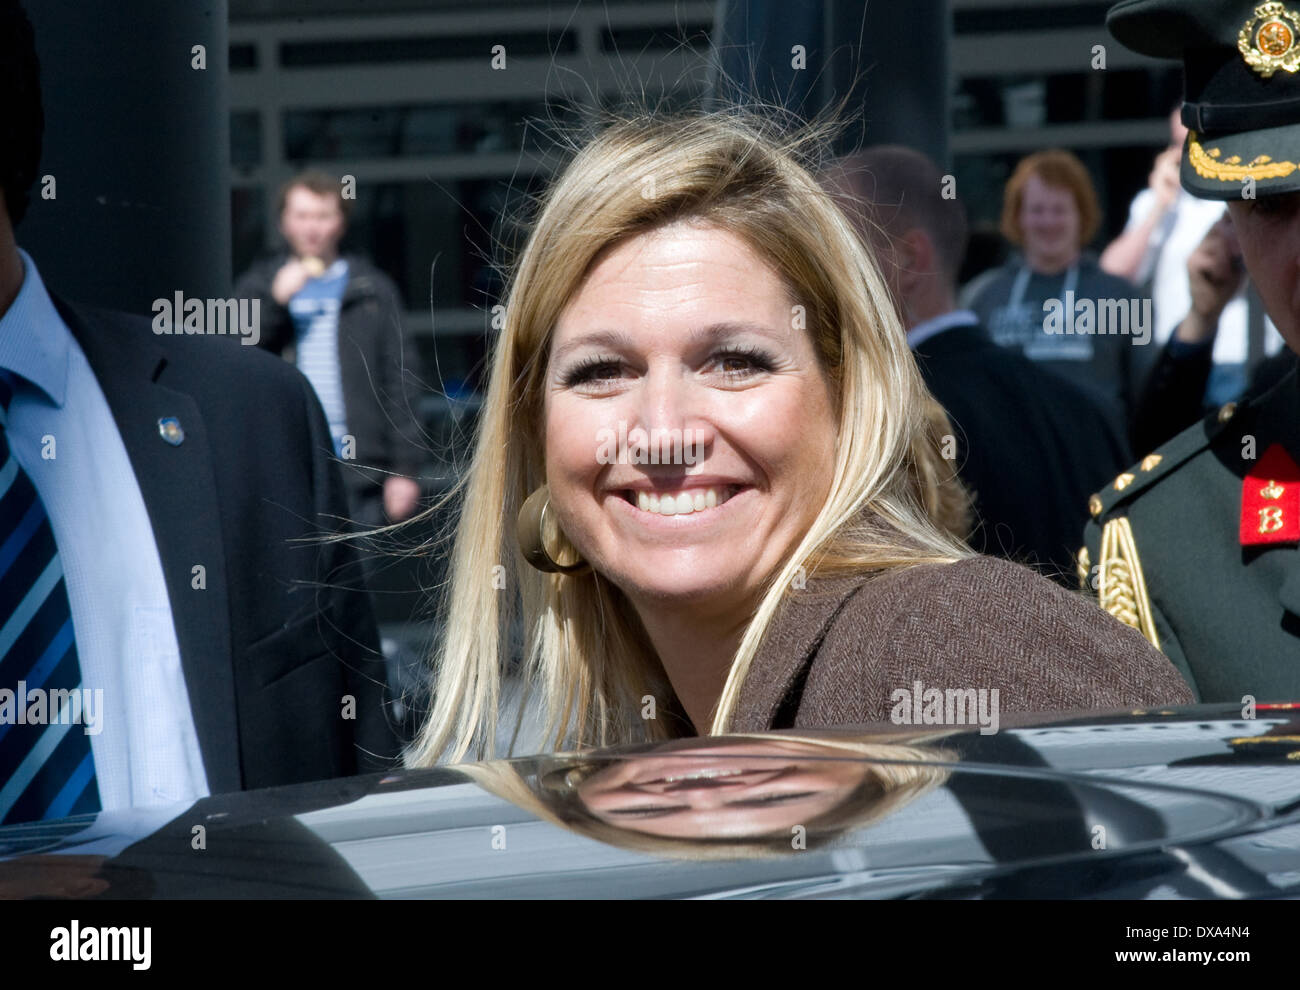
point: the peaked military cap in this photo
(1241, 67)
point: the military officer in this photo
(1198, 545)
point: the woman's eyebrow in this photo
(603, 338)
(711, 334)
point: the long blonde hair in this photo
(584, 648)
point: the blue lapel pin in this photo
(169, 428)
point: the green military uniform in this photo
(1198, 545)
(1163, 551)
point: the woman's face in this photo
(1049, 223)
(732, 790)
(684, 342)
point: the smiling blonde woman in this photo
(687, 273)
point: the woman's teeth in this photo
(701, 775)
(682, 503)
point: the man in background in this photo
(339, 319)
(1052, 301)
(1030, 444)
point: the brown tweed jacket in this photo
(837, 650)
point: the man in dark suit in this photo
(1028, 443)
(162, 500)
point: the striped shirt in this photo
(315, 314)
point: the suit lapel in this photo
(788, 648)
(180, 494)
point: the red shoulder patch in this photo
(1270, 500)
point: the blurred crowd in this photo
(1061, 367)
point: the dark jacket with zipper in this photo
(378, 366)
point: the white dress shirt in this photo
(63, 434)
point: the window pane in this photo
(422, 129)
(245, 138)
(372, 51)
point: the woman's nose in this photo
(670, 413)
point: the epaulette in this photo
(1163, 461)
(1118, 578)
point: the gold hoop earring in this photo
(532, 536)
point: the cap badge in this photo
(1268, 40)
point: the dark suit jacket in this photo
(1032, 446)
(378, 365)
(275, 640)
(838, 649)
(1172, 398)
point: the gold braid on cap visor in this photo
(1208, 165)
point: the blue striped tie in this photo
(46, 767)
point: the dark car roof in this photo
(1068, 805)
